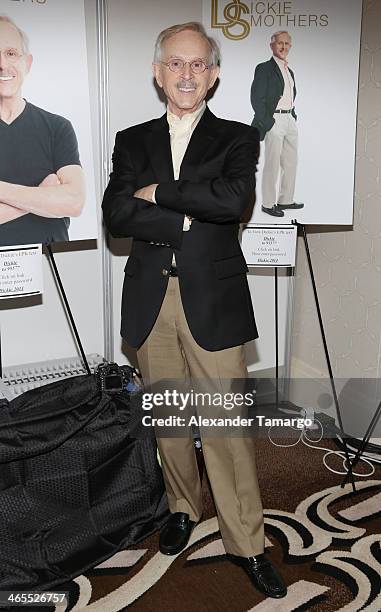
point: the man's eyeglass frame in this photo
(183, 64)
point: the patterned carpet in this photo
(326, 541)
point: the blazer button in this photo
(164, 272)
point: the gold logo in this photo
(232, 15)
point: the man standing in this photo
(41, 180)
(179, 186)
(272, 96)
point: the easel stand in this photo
(67, 306)
(349, 475)
(364, 441)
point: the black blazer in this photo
(216, 184)
(266, 91)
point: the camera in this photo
(112, 378)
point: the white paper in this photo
(20, 271)
(269, 245)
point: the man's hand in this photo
(146, 193)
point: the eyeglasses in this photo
(12, 55)
(177, 65)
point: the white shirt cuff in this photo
(187, 223)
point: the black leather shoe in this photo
(175, 534)
(275, 211)
(292, 206)
(263, 575)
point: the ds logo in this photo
(235, 26)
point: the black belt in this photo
(173, 271)
(281, 110)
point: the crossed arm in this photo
(59, 195)
(129, 211)
(219, 199)
(127, 214)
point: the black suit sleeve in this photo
(126, 216)
(222, 199)
(259, 97)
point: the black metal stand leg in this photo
(338, 414)
(276, 339)
(68, 309)
(364, 441)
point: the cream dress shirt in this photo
(180, 131)
(287, 100)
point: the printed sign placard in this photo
(269, 245)
(48, 144)
(21, 271)
(284, 71)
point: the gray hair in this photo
(23, 36)
(194, 26)
(276, 34)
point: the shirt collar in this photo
(281, 63)
(188, 120)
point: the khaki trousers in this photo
(281, 155)
(170, 352)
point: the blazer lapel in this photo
(159, 146)
(277, 71)
(293, 77)
(201, 139)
